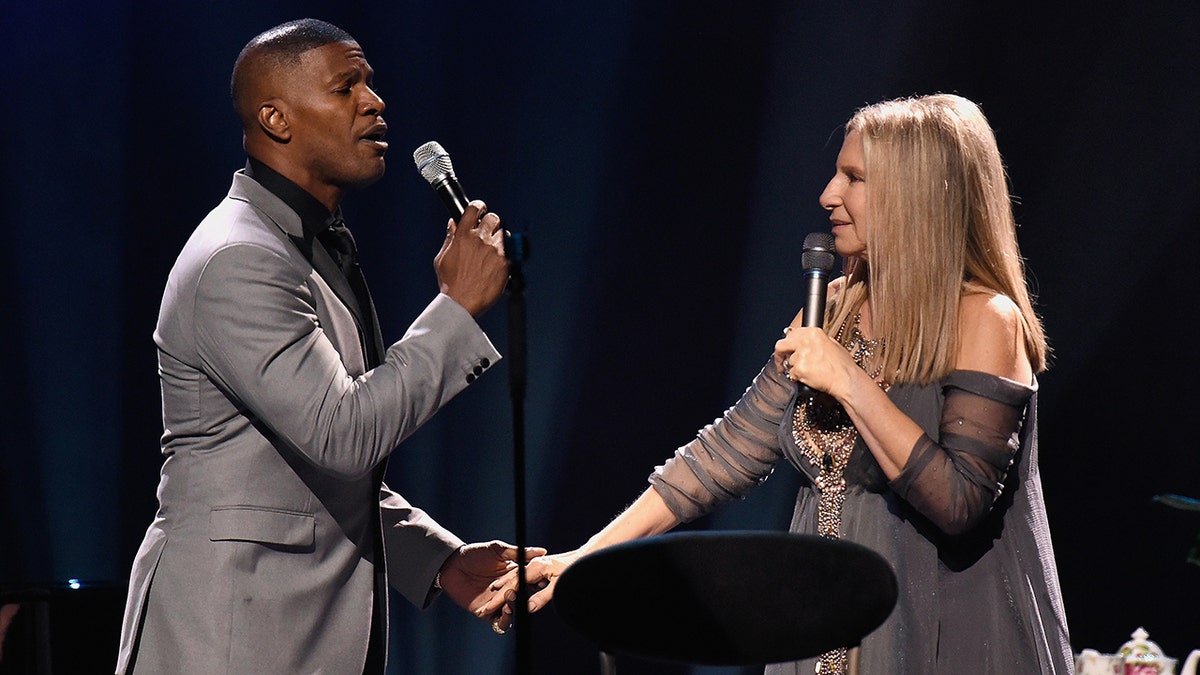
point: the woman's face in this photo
(845, 198)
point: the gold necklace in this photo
(825, 435)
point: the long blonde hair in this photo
(941, 220)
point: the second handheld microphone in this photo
(817, 260)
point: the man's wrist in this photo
(437, 578)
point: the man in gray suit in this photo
(281, 404)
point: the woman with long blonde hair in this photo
(921, 441)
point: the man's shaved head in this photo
(271, 53)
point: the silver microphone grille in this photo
(433, 162)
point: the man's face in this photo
(335, 119)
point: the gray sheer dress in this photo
(963, 526)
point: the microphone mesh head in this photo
(433, 162)
(818, 252)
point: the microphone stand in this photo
(516, 248)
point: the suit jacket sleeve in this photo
(270, 353)
(416, 547)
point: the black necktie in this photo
(340, 243)
(341, 246)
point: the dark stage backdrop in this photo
(665, 159)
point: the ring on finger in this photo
(496, 626)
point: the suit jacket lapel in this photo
(249, 190)
(332, 274)
(329, 271)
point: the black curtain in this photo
(665, 160)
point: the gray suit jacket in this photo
(264, 556)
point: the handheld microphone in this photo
(817, 260)
(434, 164)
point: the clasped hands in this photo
(482, 579)
(472, 577)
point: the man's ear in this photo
(274, 121)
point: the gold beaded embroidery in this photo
(825, 435)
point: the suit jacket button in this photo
(470, 378)
(478, 370)
(484, 362)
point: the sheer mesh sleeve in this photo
(729, 457)
(954, 482)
